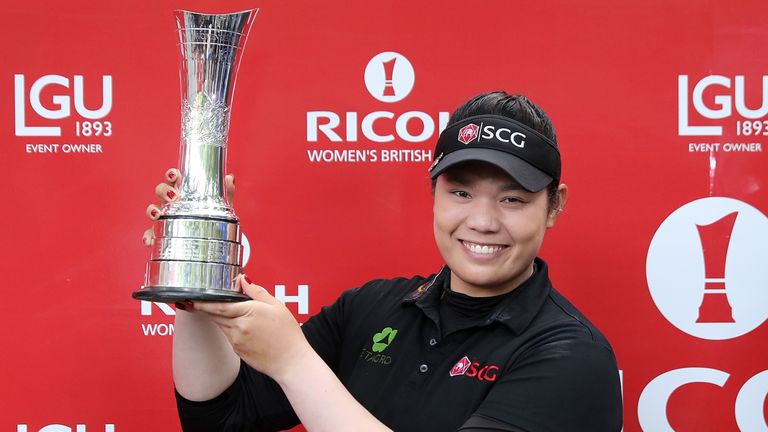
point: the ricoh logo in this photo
(714, 98)
(62, 95)
(706, 268)
(164, 326)
(389, 78)
(63, 428)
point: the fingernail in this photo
(180, 305)
(153, 213)
(171, 175)
(171, 194)
(247, 279)
(189, 305)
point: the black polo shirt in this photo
(534, 363)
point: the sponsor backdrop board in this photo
(660, 109)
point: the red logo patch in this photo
(476, 370)
(468, 133)
(460, 368)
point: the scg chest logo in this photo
(52, 99)
(706, 268)
(714, 98)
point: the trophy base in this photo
(173, 295)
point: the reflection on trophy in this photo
(197, 252)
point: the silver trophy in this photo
(197, 252)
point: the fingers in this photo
(166, 192)
(149, 237)
(154, 212)
(229, 186)
(173, 176)
(257, 292)
(221, 309)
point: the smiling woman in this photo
(488, 228)
(485, 343)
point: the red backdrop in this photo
(660, 109)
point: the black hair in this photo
(516, 107)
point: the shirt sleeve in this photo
(569, 385)
(255, 402)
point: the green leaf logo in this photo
(387, 333)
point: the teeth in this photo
(483, 250)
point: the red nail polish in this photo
(171, 175)
(171, 194)
(247, 279)
(180, 305)
(153, 213)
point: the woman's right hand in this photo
(168, 191)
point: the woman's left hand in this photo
(262, 331)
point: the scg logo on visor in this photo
(469, 133)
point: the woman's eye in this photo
(461, 194)
(512, 200)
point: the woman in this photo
(486, 343)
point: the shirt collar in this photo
(516, 311)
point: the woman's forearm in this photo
(204, 364)
(320, 400)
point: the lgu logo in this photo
(52, 97)
(729, 94)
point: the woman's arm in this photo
(266, 336)
(204, 364)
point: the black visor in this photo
(526, 155)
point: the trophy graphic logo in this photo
(715, 239)
(706, 269)
(197, 252)
(389, 77)
(389, 71)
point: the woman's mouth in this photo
(482, 248)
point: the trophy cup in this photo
(197, 254)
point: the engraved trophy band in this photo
(197, 251)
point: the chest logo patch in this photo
(461, 366)
(382, 339)
(467, 368)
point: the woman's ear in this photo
(559, 205)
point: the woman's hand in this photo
(262, 332)
(168, 191)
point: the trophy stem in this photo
(211, 47)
